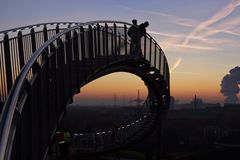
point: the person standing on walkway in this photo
(132, 33)
(136, 33)
(67, 138)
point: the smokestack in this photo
(229, 85)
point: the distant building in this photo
(231, 105)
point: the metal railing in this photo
(17, 46)
(51, 75)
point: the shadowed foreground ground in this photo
(186, 126)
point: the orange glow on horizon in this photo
(120, 84)
(125, 86)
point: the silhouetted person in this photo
(136, 33)
(64, 138)
(132, 32)
(67, 138)
(61, 142)
(143, 27)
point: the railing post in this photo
(8, 64)
(68, 64)
(90, 46)
(150, 51)
(112, 49)
(82, 43)
(57, 29)
(125, 39)
(115, 39)
(83, 51)
(95, 41)
(76, 58)
(20, 49)
(33, 39)
(103, 42)
(90, 42)
(164, 68)
(160, 58)
(119, 44)
(106, 30)
(98, 40)
(155, 55)
(145, 39)
(60, 70)
(45, 34)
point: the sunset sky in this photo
(201, 39)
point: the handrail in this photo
(9, 109)
(37, 25)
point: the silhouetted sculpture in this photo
(136, 32)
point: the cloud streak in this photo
(187, 22)
(224, 12)
(198, 47)
(201, 35)
(188, 73)
(177, 63)
(227, 27)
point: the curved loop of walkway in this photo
(48, 71)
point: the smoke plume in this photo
(229, 85)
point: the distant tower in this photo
(195, 101)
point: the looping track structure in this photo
(44, 65)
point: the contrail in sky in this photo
(177, 63)
(224, 12)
